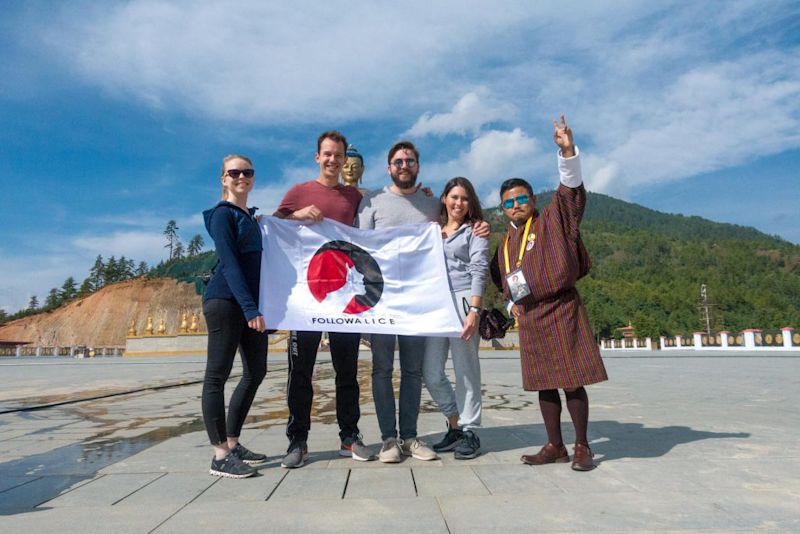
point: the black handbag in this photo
(492, 323)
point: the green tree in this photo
(171, 234)
(53, 299)
(130, 269)
(33, 303)
(68, 289)
(111, 271)
(86, 288)
(195, 245)
(177, 251)
(142, 269)
(124, 269)
(97, 273)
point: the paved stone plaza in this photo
(683, 441)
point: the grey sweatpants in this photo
(465, 401)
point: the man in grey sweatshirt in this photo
(400, 203)
(394, 205)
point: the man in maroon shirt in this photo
(310, 201)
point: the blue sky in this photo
(115, 115)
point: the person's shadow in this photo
(610, 440)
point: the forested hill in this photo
(611, 213)
(648, 267)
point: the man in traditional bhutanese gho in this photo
(536, 266)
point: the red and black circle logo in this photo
(341, 272)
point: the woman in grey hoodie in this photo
(467, 258)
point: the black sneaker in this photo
(449, 441)
(297, 455)
(469, 447)
(247, 456)
(231, 467)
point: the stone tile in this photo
(73, 520)
(43, 489)
(448, 481)
(166, 457)
(418, 514)
(616, 512)
(172, 488)
(8, 482)
(653, 475)
(516, 479)
(256, 488)
(763, 509)
(14, 433)
(765, 473)
(396, 481)
(103, 490)
(312, 484)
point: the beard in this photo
(404, 181)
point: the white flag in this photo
(331, 277)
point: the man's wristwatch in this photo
(475, 309)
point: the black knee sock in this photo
(578, 406)
(550, 406)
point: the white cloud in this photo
(493, 156)
(709, 118)
(469, 114)
(268, 61)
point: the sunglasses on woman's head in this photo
(234, 173)
(519, 199)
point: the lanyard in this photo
(521, 245)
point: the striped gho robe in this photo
(557, 347)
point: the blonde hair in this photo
(225, 160)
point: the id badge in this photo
(517, 285)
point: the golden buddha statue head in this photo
(353, 168)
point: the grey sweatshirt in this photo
(385, 209)
(467, 258)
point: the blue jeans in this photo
(412, 350)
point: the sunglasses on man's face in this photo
(410, 163)
(234, 173)
(519, 199)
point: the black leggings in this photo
(227, 330)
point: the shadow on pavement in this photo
(610, 440)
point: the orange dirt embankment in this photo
(103, 318)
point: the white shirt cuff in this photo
(509, 303)
(569, 169)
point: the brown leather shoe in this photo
(582, 460)
(549, 454)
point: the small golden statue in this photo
(132, 328)
(353, 169)
(184, 323)
(149, 327)
(162, 327)
(194, 326)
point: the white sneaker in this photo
(418, 449)
(390, 451)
